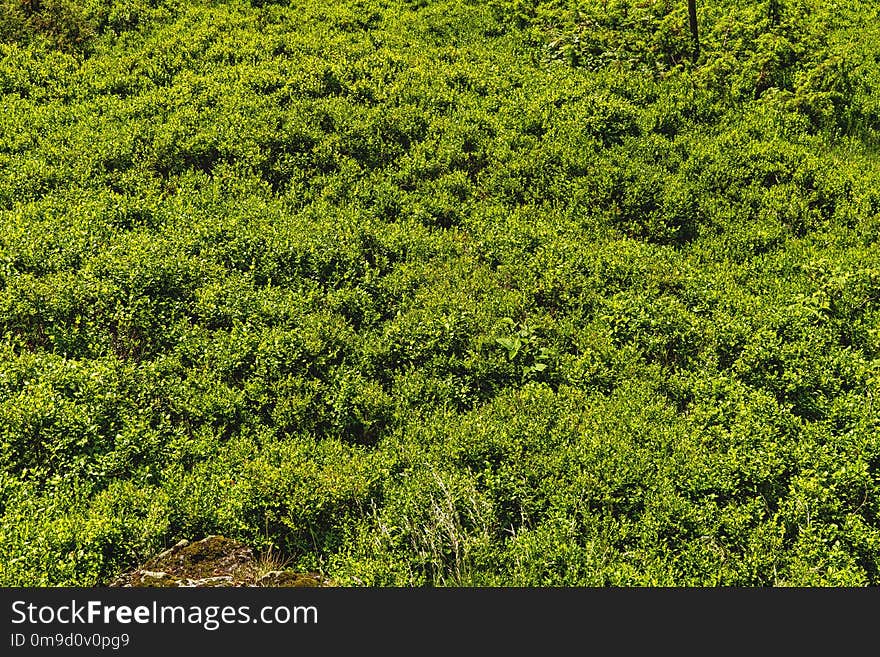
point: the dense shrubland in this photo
(422, 292)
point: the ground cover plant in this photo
(442, 293)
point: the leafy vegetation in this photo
(423, 292)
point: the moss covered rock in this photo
(212, 561)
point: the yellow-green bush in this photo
(441, 293)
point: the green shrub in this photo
(441, 293)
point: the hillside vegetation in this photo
(438, 293)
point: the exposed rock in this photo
(212, 561)
(154, 578)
